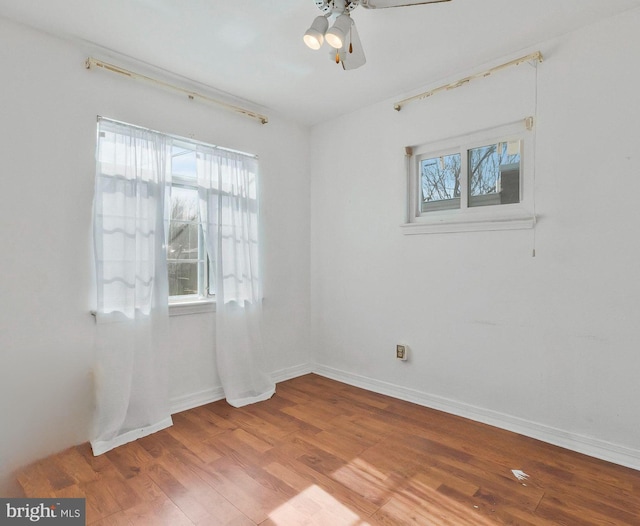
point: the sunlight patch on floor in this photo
(315, 506)
(366, 480)
(422, 501)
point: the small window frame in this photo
(505, 216)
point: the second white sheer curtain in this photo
(228, 193)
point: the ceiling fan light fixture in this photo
(338, 33)
(314, 36)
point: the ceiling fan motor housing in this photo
(328, 7)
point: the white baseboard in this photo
(590, 446)
(189, 401)
(291, 372)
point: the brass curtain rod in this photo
(192, 95)
(535, 57)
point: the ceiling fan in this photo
(343, 36)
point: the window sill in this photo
(181, 308)
(444, 225)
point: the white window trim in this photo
(178, 308)
(192, 306)
(514, 216)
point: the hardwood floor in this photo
(324, 453)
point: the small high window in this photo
(482, 181)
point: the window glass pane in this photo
(494, 174)
(440, 182)
(184, 204)
(184, 250)
(183, 240)
(183, 162)
(183, 229)
(183, 278)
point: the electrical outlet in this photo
(401, 352)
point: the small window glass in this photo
(440, 182)
(494, 174)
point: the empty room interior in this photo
(387, 277)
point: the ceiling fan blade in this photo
(383, 4)
(352, 53)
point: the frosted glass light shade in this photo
(314, 36)
(338, 32)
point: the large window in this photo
(146, 182)
(482, 181)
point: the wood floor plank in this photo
(161, 443)
(76, 466)
(215, 424)
(312, 413)
(432, 510)
(101, 501)
(259, 427)
(242, 442)
(34, 481)
(346, 496)
(179, 494)
(145, 488)
(363, 427)
(162, 512)
(274, 415)
(324, 453)
(14, 490)
(130, 459)
(220, 510)
(363, 479)
(292, 395)
(314, 507)
(286, 423)
(333, 442)
(597, 511)
(367, 398)
(240, 489)
(510, 490)
(117, 519)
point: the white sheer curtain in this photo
(132, 179)
(227, 185)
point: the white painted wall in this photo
(546, 345)
(48, 108)
(550, 342)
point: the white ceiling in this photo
(253, 49)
